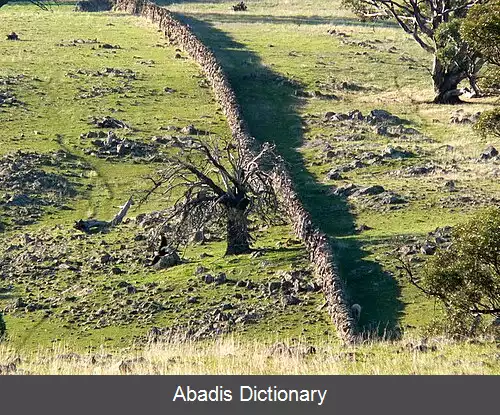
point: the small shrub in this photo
(465, 277)
(489, 123)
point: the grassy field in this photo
(290, 63)
(56, 286)
(230, 356)
(290, 50)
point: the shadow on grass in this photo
(293, 20)
(271, 109)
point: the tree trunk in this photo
(446, 83)
(238, 237)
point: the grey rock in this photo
(488, 153)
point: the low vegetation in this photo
(98, 108)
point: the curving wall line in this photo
(315, 241)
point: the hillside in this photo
(96, 102)
(61, 285)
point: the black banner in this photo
(137, 395)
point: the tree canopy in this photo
(465, 277)
(435, 26)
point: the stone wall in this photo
(316, 242)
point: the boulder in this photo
(488, 153)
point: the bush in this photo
(481, 30)
(489, 123)
(490, 80)
(465, 277)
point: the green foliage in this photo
(481, 30)
(489, 123)
(449, 42)
(466, 276)
(361, 9)
(490, 79)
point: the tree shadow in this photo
(271, 106)
(294, 20)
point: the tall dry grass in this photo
(231, 357)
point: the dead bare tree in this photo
(213, 184)
(434, 24)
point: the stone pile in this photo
(27, 188)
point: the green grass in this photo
(53, 109)
(269, 52)
(275, 43)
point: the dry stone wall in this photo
(316, 242)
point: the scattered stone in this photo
(461, 117)
(114, 147)
(450, 186)
(190, 130)
(29, 188)
(368, 191)
(488, 153)
(240, 7)
(13, 36)
(288, 300)
(334, 174)
(109, 122)
(168, 260)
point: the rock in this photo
(192, 300)
(427, 249)
(220, 278)
(461, 117)
(106, 258)
(381, 114)
(356, 115)
(396, 153)
(208, 278)
(273, 286)
(345, 191)
(488, 153)
(200, 270)
(167, 261)
(369, 191)
(334, 175)
(362, 228)
(419, 170)
(20, 200)
(109, 46)
(450, 186)
(190, 130)
(109, 122)
(289, 299)
(13, 36)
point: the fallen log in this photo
(96, 226)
